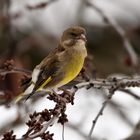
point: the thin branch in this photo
(40, 5)
(117, 84)
(40, 121)
(101, 84)
(108, 83)
(45, 127)
(126, 43)
(100, 113)
(81, 134)
(118, 109)
(15, 70)
(129, 92)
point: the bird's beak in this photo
(83, 37)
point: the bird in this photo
(61, 65)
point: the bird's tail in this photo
(18, 98)
(28, 96)
(25, 95)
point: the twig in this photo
(126, 43)
(127, 91)
(40, 5)
(45, 127)
(100, 113)
(117, 84)
(15, 70)
(99, 84)
(40, 121)
(81, 134)
(116, 107)
(122, 83)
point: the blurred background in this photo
(30, 29)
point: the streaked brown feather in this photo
(49, 67)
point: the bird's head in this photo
(73, 35)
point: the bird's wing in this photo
(47, 69)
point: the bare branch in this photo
(100, 113)
(118, 84)
(126, 43)
(39, 122)
(129, 92)
(45, 127)
(40, 5)
(75, 128)
(9, 67)
(15, 70)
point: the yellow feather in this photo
(18, 98)
(47, 81)
(72, 69)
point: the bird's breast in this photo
(73, 65)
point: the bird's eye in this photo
(73, 34)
